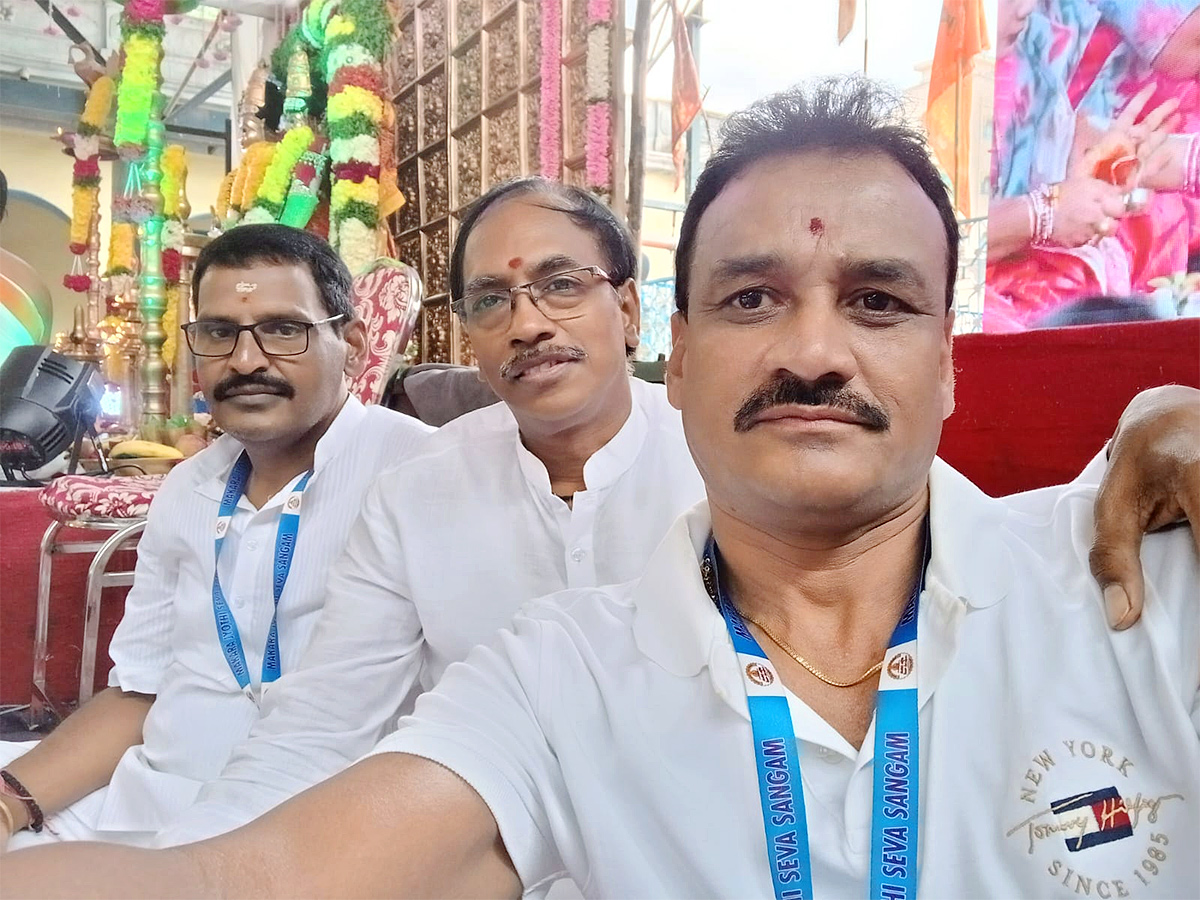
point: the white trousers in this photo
(75, 823)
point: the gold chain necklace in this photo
(786, 648)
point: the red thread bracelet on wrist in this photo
(13, 788)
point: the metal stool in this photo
(41, 710)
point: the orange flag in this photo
(962, 35)
(846, 10)
(685, 93)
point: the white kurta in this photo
(166, 644)
(450, 545)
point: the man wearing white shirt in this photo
(649, 738)
(275, 336)
(570, 482)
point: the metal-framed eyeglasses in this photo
(558, 296)
(275, 337)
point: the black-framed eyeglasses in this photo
(558, 296)
(275, 337)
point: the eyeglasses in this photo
(275, 337)
(557, 296)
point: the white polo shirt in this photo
(167, 644)
(608, 729)
(450, 545)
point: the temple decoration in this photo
(176, 210)
(153, 302)
(85, 181)
(269, 200)
(356, 38)
(142, 32)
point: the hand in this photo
(1122, 153)
(1086, 209)
(1153, 480)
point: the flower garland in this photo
(598, 129)
(550, 118)
(174, 191)
(277, 179)
(303, 195)
(85, 180)
(142, 32)
(356, 39)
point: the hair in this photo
(281, 245)
(852, 115)
(583, 208)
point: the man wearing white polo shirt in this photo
(839, 583)
(570, 482)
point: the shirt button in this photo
(578, 554)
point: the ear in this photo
(674, 370)
(946, 366)
(357, 350)
(631, 312)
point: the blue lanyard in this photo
(894, 818)
(285, 547)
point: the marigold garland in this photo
(174, 176)
(83, 209)
(98, 106)
(85, 176)
(221, 210)
(142, 47)
(255, 162)
(120, 248)
(277, 179)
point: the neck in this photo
(565, 449)
(276, 463)
(835, 598)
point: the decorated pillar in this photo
(153, 297)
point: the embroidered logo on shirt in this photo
(1096, 817)
(759, 674)
(1085, 820)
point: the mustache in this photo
(531, 355)
(254, 379)
(789, 390)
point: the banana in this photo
(143, 450)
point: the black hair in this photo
(853, 115)
(281, 245)
(583, 208)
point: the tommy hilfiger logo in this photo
(1096, 817)
(1101, 828)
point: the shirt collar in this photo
(216, 461)
(677, 625)
(604, 466)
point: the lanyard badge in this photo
(285, 547)
(894, 817)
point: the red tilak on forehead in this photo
(816, 226)
(515, 262)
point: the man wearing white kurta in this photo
(295, 415)
(454, 540)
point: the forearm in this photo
(393, 825)
(80, 755)
(1008, 227)
(77, 869)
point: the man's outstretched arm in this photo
(391, 825)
